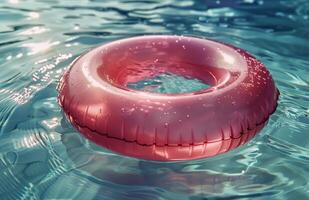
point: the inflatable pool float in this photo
(95, 97)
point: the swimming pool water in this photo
(43, 157)
(168, 83)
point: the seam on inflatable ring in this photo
(154, 144)
(169, 145)
(173, 145)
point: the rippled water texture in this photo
(43, 157)
(168, 83)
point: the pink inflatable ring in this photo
(96, 99)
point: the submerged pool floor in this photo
(43, 157)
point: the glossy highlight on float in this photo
(95, 97)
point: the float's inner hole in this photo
(161, 65)
(169, 83)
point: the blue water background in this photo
(168, 83)
(43, 157)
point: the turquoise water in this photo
(43, 157)
(168, 83)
